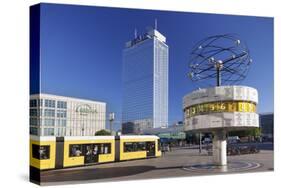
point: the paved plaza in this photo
(177, 163)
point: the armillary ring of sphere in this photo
(222, 58)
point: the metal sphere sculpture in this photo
(219, 59)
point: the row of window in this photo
(48, 131)
(140, 146)
(61, 104)
(34, 121)
(48, 113)
(33, 130)
(61, 113)
(62, 131)
(51, 113)
(33, 112)
(61, 122)
(48, 103)
(33, 103)
(48, 122)
(134, 146)
(77, 150)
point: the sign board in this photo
(85, 109)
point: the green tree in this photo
(255, 132)
(102, 132)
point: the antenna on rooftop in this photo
(155, 23)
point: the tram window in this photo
(95, 149)
(75, 150)
(141, 146)
(158, 144)
(105, 148)
(40, 152)
(101, 148)
(128, 147)
(134, 146)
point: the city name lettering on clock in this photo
(213, 107)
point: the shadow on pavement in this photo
(92, 174)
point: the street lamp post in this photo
(111, 119)
(200, 144)
(83, 129)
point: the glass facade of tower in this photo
(145, 83)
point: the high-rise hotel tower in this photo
(145, 83)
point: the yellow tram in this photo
(51, 152)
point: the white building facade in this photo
(53, 115)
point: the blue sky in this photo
(81, 51)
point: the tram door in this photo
(91, 153)
(150, 149)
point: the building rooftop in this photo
(150, 34)
(65, 98)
